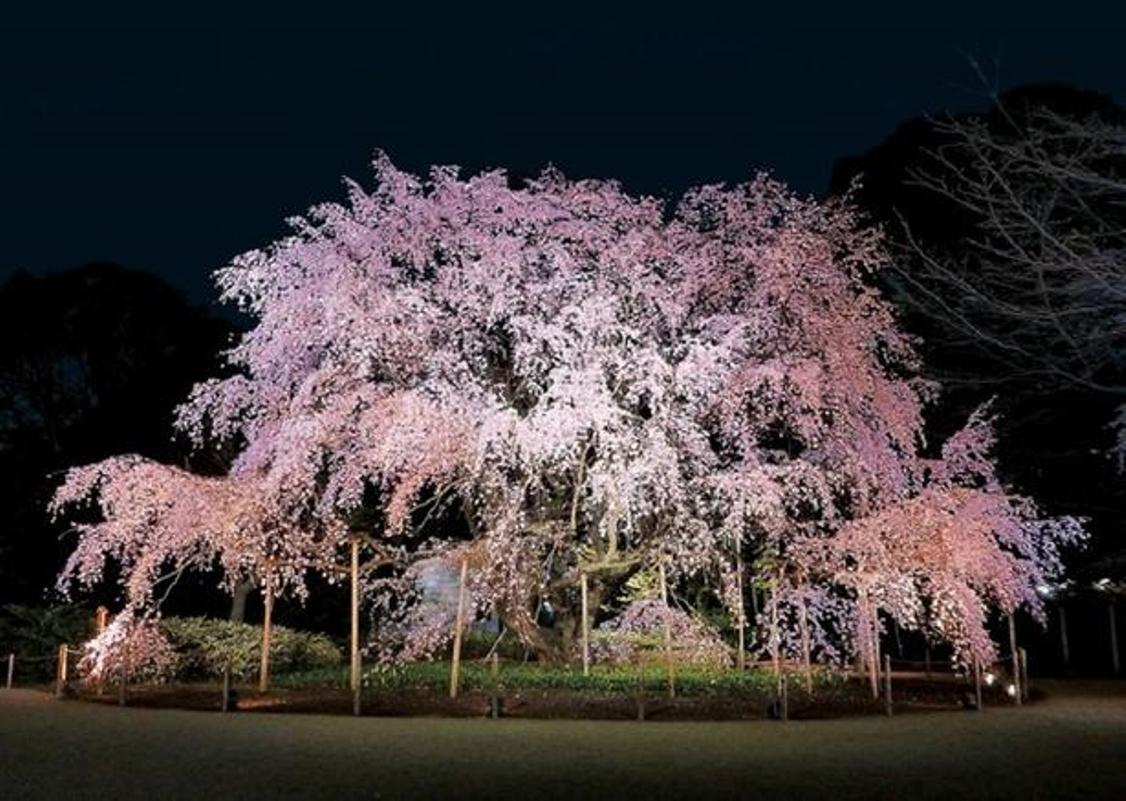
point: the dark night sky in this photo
(172, 145)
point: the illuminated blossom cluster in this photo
(589, 383)
(637, 634)
(154, 521)
(129, 646)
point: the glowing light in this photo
(989, 679)
(1011, 690)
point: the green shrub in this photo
(624, 679)
(206, 645)
(34, 633)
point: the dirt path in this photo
(1073, 745)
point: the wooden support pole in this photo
(1065, 649)
(60, 671)
(775, 638)
(1114, 662)
(268, 612)
(668, 632)
(101, 617)
(887, 685)
(123, 678)
(807, 660)
(741, 615)
(927, 658)
(874, 652)
(1024, 673)
(586, 627)
(977, 685)
(785, 699)
(641, 689)
(11, 669)
(1018, 694)
(354, 679)
(459, 623)
(494, 701)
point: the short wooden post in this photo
(1015, 658)
(226, 686)
(887, 685)
(60, 672)
(494, 701)
(1114, 662)
(668, 633)
(977, 684)
(1024, 672)
(459, 623)
(101, 617)
(1065, 650)
(268, 612)
(11, 669)
(586, 627)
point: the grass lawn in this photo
(1071, 745)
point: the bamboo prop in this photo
(268, 611)
(586, 627)
(977, 685)
(459, 622)
(668, 633)
(11, 670)
(887, 685)
(226, 705)
(1017, 684)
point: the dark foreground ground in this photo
(1070, 745)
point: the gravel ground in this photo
(1070, 745)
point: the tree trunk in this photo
(238, 600)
